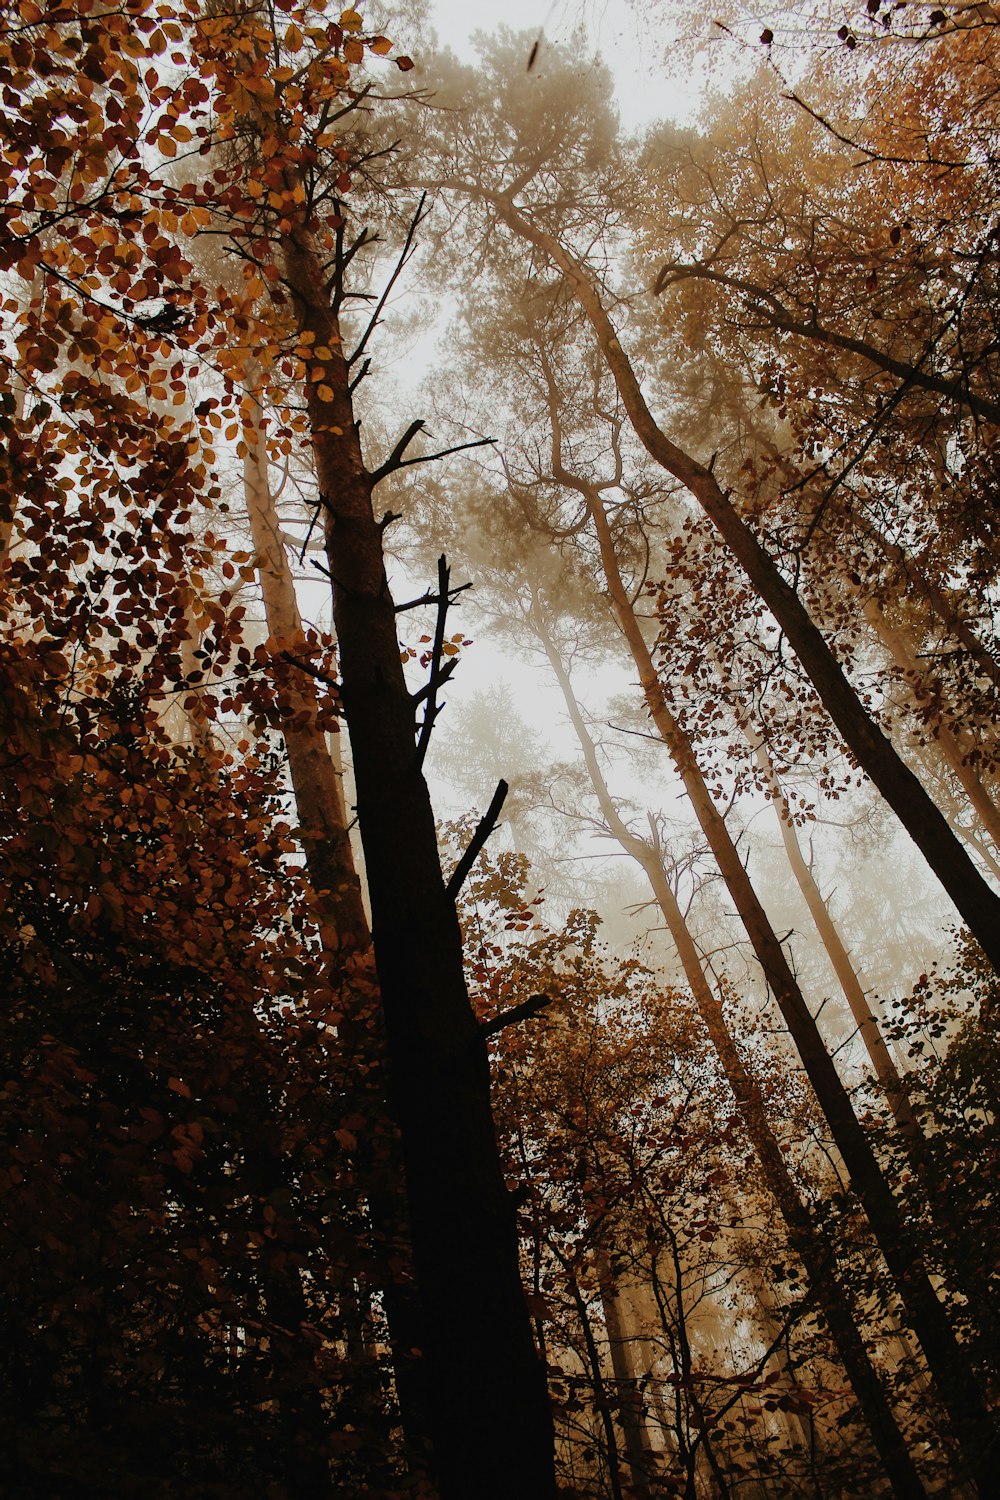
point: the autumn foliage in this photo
(264, 1229)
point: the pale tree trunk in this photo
(199, 725)
(900, 653)
(978, 905)
(9, 491)
(807, 1242)
(491, 1420)
(315, 780)
(342, 927)
(629, 1391)
(868, 1027)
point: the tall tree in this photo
(104, 227)
(516, 189)
(484, 1377)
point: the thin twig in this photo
(395, 459)
(306, 666)
(401, 262)
(429, 458)
(430, 598)
(315, 517)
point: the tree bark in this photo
(315, 782)
(491, 1421)
(631, 1414)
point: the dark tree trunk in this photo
(490, 1416)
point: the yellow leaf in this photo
(293, 39)
(381, 45)
(324, 393)
(350, 20)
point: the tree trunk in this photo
(490, 1415)
(807, 1242)
(628, 1389)
(978, 905)
(314, 777)
(317, 786)
(199, 725)
(9, 461)
(957, 1384)
(868, 1027)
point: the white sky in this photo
(633, 48)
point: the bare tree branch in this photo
(484, 828)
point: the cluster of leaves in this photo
(186, 1085)
(181, 1110)
(641, 1222)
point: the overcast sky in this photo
(633, 47)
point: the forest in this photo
(499, 771)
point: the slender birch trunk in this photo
(631, 1415)
(9, 492)
(315, 781)
(199, 725)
